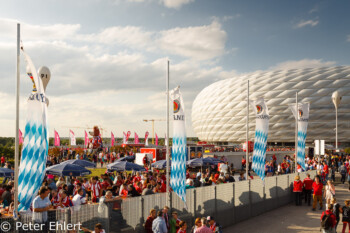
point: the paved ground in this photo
(289, 219)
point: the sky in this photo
(108, 58)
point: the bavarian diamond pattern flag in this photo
(178, 156)
(35, 145)
(261, 132)
(302, 114)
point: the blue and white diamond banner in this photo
(178, 155)
(35, 145)
(302, 114)
(261, 132)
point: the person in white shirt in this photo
(98, 229)
(79, 199)
(223, 168)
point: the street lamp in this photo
(336, 98)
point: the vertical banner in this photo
(128, 136)
(20, 137)
(124, 138)
(146, 138)
(156, 140)
(86, 139)
(136, 139)
(36, 141)
(178, 156)
(57, 139)
(302, 114)
(112, 139)
(261, 132)
(72, 138)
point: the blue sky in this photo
(108, 57)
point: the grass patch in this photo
(96, 172)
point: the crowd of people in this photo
(322, 188)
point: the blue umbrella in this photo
(126, 158)
(199, 162)
(160, 164)
(214, 160)
(5, 172)
(80, 162)
(66, 169)
(124, 166)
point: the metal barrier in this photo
(229, 203)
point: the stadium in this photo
(219, 110)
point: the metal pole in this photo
(247, 135)
(296, 131)
(336, 129)
(167, 135)
(17, 121)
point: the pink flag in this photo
(57, 139)
(156, 140)
(112, 139)
(146, 138)
(86, 141)
(136, 141)
(127, 136)
(20, 136)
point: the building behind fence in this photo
(229, 203)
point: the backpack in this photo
(326, 222)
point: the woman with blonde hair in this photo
(329, 192)
(297, 189)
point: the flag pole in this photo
(296, 131)
(247, 134)
(167, 143)
(17, 121)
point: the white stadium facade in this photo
(219, 110)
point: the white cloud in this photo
(175, 3)
(201, 43)
(314, 9)
(38, 32)
(348, 38)
(305, 63)
(304, 23)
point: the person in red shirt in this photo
(308, 188)
(2, 161)
(138, 187)
(149, 221)
(96, 189)
(325, 170)
(137, 178)
(317, 197)
(333, 219)
(64, 200)
(244, 161)
(183, 227)
(297, 189)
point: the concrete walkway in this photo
(290, 218)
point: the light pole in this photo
(336, 98)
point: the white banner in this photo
(178, 155)
(261, 132)
(72, 138)
(302, 114)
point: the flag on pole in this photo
(146, 138)
(86, 140)
(136, 139)
(20, 136)
(178, 161)
(57, 139)
(36, 142)
(112, 139)
(302, 114)
(72, 138)
(261, 132)
(156, 140)
(124, 138)
(128, 134)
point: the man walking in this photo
(158, 224)
(317, 197)
(308, 188)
